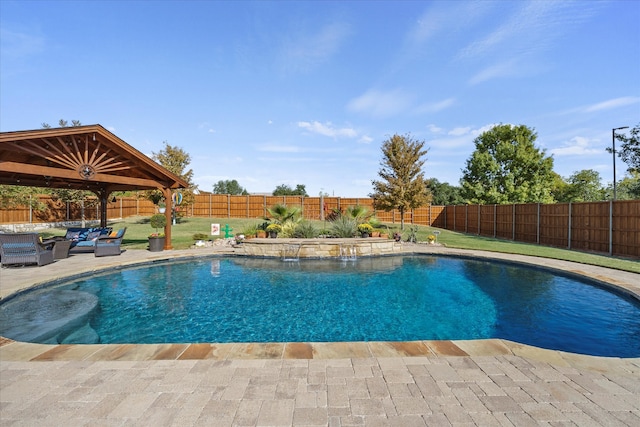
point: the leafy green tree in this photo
(507, 167)
(444, 193)
(16, 195)
(175, 160)
(403, 185)
(582, 186)
(626, 189)
(229, 187)
(629, 150)
(285, 190)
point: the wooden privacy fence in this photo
(604, 227)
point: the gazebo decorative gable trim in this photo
(83, 158)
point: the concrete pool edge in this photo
(19, 351)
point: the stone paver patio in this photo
(484, 382)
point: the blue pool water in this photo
(371, 299)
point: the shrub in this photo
(365, 228)
(305, 230)
(158, 221)
(200, 236)
(271, 228)
(344, 226)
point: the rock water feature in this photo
(348, 252)
(291, 252)
(319, 248)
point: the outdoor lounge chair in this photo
(110, 244)
(23, 248)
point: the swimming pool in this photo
(398, 298)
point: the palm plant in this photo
(282, 213)
(286, 216)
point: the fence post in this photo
(466, 218)
(513, 223)
(454, 218)
(495, 221)
(610, 227)
(120, 207)
(210, 206)
(479, 218)
(446, 208)
(264, 206)
(569, 223)
(538, 226)
(228, 206)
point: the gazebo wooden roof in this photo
(83, 158)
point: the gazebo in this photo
(83, 158)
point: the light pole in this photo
(613, 144)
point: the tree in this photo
(403, 186)
(507, 167)
(16, 195)
(175, 160)
(229, 187)
(285, 190)
(628, 188)
(62, 123)
(629, 150)
(444, 193)
(582, 186)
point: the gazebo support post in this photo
(167, 214)
(103, 195)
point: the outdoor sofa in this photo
(23, 248)
(109, 244)
(83, 239)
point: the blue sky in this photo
(272, 93)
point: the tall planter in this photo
(156, 244)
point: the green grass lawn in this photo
(138, 230)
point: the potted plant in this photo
(156, 240)
(365, 229)
(273, 230)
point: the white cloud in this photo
(381, 104)
(327, 129)
(503, 69)
(436, 106)
(305, 51)
(459, 131)
(365, 139)
(447, 16)
(576, 146)
(612, 103)
(534, 26)
(211, 131)
(434, 129)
